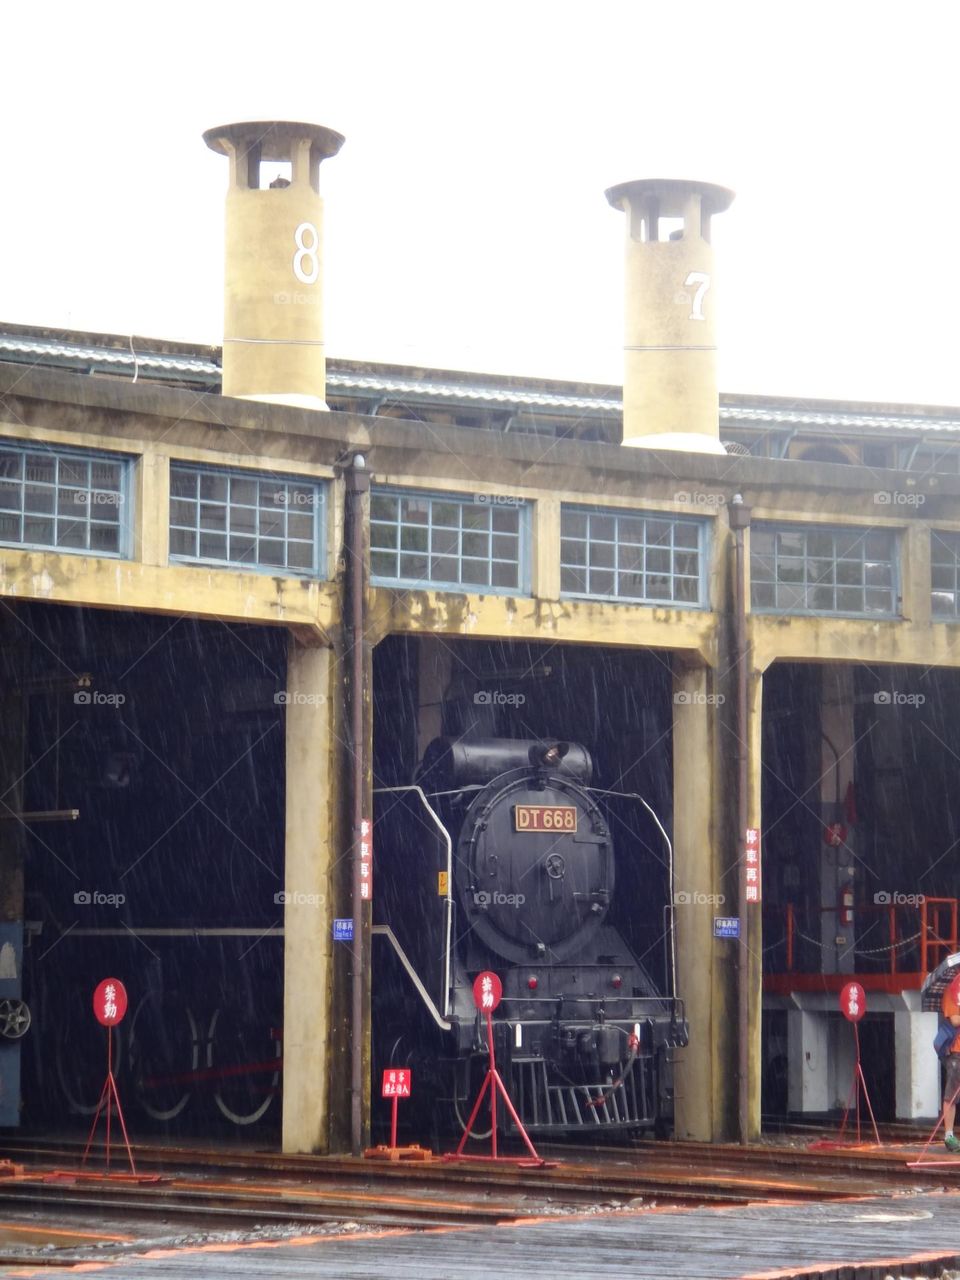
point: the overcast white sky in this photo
(465, 217)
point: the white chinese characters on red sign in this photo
(751, 865)
(397, 1082)
(487, 991)
(110, 1002)
(366, 860)
(853, 1002)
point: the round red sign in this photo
(853, 1002)
(110, 1002)
(487, 991)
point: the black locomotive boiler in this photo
(501, 858)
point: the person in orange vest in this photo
(950, 1009)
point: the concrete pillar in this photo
(546, 549)
(670, 398)
(917, 1066)
(753, 912)
(151, 516)
(311, 843)
(808, 1061)
(705, 1075)
(13, 641)
(273, 295)
(838, 865)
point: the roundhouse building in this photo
(245, 587)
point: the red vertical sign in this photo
(366, 860)
(751, 865)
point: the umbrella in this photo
(936, 982)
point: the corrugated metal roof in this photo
(444, 390)
(457, 392)
(107, 355)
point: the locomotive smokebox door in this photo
(534, 865)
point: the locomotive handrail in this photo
(385, 931)
(634, 795)
(448, 901)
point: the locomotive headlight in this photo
(616, 981)
(532, 983)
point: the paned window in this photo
(817, 569)
(64, 501)
(244, 519)
(644, 558)
(474, 543)
(944, 574)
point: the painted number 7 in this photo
(702, 280)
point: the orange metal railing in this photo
(937, 933)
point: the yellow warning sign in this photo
(443, 883)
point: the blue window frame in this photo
(817, 569)
(64, 500)
(451, 541)
(944, 574)
(245, 519)
(632, 556)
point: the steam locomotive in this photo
(504, 860)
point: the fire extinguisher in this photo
(845, 911)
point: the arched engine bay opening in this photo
(535, 859)
(861, 855)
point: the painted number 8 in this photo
(306, 261)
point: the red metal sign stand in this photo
(109, 1006)
(109, 1097)
(487, 991)
(853, 1005)
(859, 1083)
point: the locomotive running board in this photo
(385, 931)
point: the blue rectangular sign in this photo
(343, 930)
(726, 926)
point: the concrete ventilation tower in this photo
(670, 397)
(273, 290)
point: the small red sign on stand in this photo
(397, 1083)
(853, 1002)
(109, 1007)
(110, 1002)
(487, 994)
(487, 991)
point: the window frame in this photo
(319, 510)
(523, 507)
(124, 524)
(702, 548)
(777, 527)
(940, 535)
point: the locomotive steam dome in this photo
(534, 867)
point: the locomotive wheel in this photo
(164, 1048)
(14, 1019)
(465, 1095)
(235, 1043)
